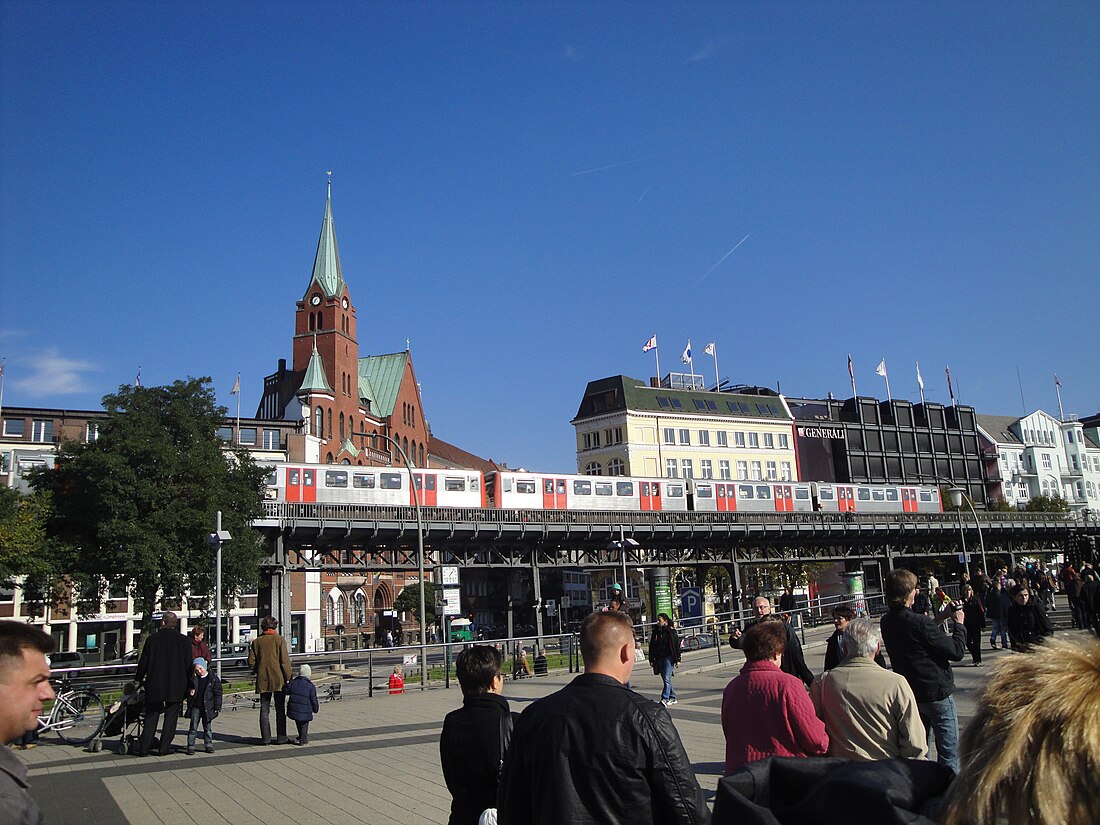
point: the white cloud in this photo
(52, 374)
(705, 53)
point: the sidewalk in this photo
(369, 760)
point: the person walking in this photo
(997, 603)
(664, 655)
(974, 622)
(164, 667)
(269, 659)
(301, 702)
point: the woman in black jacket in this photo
(834, 645)
(974, 621)
(664, 655)
(476, 736)
(1027, 623)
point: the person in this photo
(24, 689)
(664, 655)
(397, 680)
(922, 604)
(1027, 622)
(922, 652)
(164, 667)
(869, 713)
(199, 648)
(834, 645)
(203, 705)
(595, 751)
(794, 662)
(269, 659)
(766, 712)
(522, 668)
(787, 606)
(974, 622)
(615, 602)
(1088, 601)
(301, 702)
(1030, 752)
(997, 603)
(476, 736)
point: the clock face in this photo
(345, 303)
(315, 300)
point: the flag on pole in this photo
(236, 386)
(651, 343)
(137, 378)
(852, 374)
(709, 348)
(686, 356)
(920, 381)
(1057, 383)
(950, 389)
(881, 368)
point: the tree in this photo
(23, 543)
(135, 506)
(1047, 504)
(408, 600)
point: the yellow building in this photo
(627, 427)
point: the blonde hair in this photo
(1031, 752)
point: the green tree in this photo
(1047, 504)
(135, 506)
(23, 542)
(408, 600)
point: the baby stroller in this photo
(124, 720)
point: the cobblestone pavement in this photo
(370, 760)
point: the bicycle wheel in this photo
(80, 716)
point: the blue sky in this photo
(528, 191)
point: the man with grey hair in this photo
(869, 713)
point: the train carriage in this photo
(751, 496)
(876, 498)
(537, 491)
(347, 484)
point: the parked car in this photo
(234, 655)
(66, 659)
(698, 641)
(125, 664)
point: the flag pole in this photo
(3, 363)
(657, 355)
(852, 375)
(238, 386)
(1058, 389)
(716, 369)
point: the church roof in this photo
(314, 379)
(381, 376)
(326, 266)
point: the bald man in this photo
(595, 751)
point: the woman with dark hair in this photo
(834, 645)
(1027, 623)
(766, 712)
(664, 655)
(974, 621)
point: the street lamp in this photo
(957, 497)
(217, 538)
(419, 551)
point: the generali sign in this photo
(811, 431)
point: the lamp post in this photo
(419, 551)
(958, 495)
(217, 538)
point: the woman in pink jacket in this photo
(766, 712)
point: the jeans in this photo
(303, 732)
(192, 733)
(1002, 628)
(941, 720)
(667, 667)
(280, 717)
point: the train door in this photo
(725, 498)
(425, 483)
(784, 500)
(846, 499)
(649, 495)
(553, 494)
(908, 500)
(293, 484)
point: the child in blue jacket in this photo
(301, 702)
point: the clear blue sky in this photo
(528, 191)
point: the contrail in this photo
(722, 259)
(616, 165)
(646, 192)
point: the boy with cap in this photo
(204, 703)
(301, 702)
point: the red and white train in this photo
(345, 484)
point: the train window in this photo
(582, 488)
(603, 488)
(624, 488)
(674, 490)
(863, 494)
(474, 486)
(891, 494)
(454, 485)
(744, 491)
(763, 491)
(390, 481)
(292, 478)
(272, 479)
(878, 495)
(802, 493)
(825, 493)
(336, 478)
(548, 486)
(526, 486)
(704, 491)
(925, 495)
(362, 481)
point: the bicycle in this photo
(77, 714)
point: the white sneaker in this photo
(672, 701)
(666, 702)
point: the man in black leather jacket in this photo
(595, 751)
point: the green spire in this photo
(314, 380)
(326, 266)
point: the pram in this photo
(124, 720)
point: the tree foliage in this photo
(136, 505)
(23, 543)
(1047, 504)
(408, 600)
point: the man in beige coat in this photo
(869, 713)
(270, 661)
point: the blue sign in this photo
(691, 607)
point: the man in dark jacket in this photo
(794, 662)
(595, 751)
(476, 736)
(922, 652)
(165, 669)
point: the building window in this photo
(723, 441)
(785, 471)
(319, 423)
(757, 475)
(587, 441)
(42, 430)
(706, 470)
(271, 439)
(704, 438)
(593, 469)
(669, 435)
(769, 441)
(1046, 461)
(670, 468)
(615, 467)
(784, 441)
(685, 468)
(723, 469)
(739, 439)
(754, 439)
(225, 434)
(13, 427)
(596, 438)
(685, 436)
(91, 431)
(742, 471)
(618, 435)
(773, 475)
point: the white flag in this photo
(709, 348)
(686, 357)
(920, 380)
(651, 343)
(881, 368)
(236, 386)
(137, 378)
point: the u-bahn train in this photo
(345, 484)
